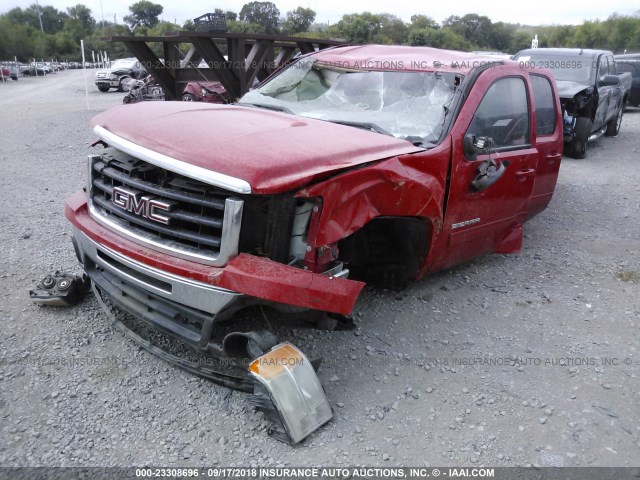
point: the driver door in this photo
(489, 219)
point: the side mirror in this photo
(609, 81)
(473, 146)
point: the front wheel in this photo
(188, 97)
(103, 88)
(125, 84)
(578, 146)
(613, 127)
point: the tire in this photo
(613, 127)
(103, 88)
(577, 148)
(122, 84)
(188, 97)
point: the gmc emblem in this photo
(143, 206)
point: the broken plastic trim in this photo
(244, 384)
(61, 289)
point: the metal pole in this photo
(102, 14)
(84, 70)
(39, 16)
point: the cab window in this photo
(544, 104)
(503, 115)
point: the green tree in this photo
(52, 19)
(560, 35)
(620, 32)
(438, 38)
(474, 28)
(265, 14)
(299, 20)
(231, 16)
(392, 30)
(114, 49)
(144, 14)
(245, 27)
(521, 40)
(368, 27)
(423, 21)
(501, 36)
(589, 35)
(79, 23)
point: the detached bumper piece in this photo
(289, 393)
(61, 289)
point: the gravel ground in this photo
(400, 393)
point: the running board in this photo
(598, 134)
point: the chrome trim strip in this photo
(221, 180)
(184, 291)
(231, 224)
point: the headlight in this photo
(289, 392)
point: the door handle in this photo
(522, 175)
(552, 157)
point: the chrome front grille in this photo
(164, 210)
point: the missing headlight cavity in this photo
(266, 226)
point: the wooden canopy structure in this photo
(249, 56)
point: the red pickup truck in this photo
(353, 164)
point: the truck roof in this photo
(399, 57)
(627, 56)
(563, 52)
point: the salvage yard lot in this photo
(529, 359)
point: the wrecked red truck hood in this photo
(272, 151)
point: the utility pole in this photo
(102, 14)
(39, 16)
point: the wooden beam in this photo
(256, 60)
(235, 49)
(216, 60)
(306, 47)
(154, 66)
(250, 56)
(285, 54)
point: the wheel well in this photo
(387, 251)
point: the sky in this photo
(529, 12)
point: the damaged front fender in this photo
(408, 186)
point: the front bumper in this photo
(124, 269)
(107, 83)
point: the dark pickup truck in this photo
(631, 64)
(592, 91)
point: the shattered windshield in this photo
(407, 105)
